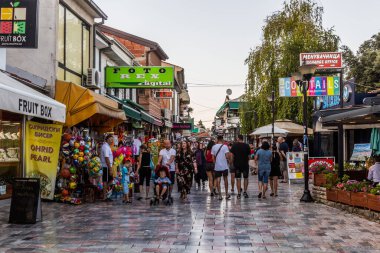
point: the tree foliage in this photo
(295, 29)
(365, 65)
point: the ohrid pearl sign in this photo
(324, 60)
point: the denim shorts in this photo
(264, 176)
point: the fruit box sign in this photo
(18, 23)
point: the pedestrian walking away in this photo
(264, 158)
(232, 169)
(144, 171)
(210, 168)
(284, 149)
(167, 158)
(185, 167)
(275, 171)
(241, 153)
(106, 158)
(200, 158)
(220, 154)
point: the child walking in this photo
(125, 179)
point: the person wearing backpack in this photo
(220, 153)
(210, 168)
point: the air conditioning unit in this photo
(93, 79)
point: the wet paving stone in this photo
(203, 224)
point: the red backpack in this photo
(209, 156)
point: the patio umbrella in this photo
(375, 141)
(267, 130)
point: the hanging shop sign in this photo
(295, 165)
(141, 77)
(321, 161)
(318, 86)
(324, 60)
(41, 154)
(19, 23)
(325, 102)
(182, 126)
(164, 94)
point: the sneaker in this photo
(228, 197)
(238, 196)
(259, 196)
(220, 198)
(245, 195)
(212, 194)
(272, 194)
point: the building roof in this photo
(233, 104)
(145, 42)
(96, 9)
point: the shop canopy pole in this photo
(340, 131)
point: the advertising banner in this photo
(318, 86)
(164, 94)
(324, 60)
(42, 142)
(141, 77)
(361, 152)
(19, 23)
(295, 165)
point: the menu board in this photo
(295, 165)
(26, 201)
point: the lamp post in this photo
(271, 100)
(303, 78)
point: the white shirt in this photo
(221, 163)
(166, 155)
(106, 152)
(136, 146)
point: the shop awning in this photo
(150, 119)
(363, 115)
(18, 98)
(83, 104)
(129, 111)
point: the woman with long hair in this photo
(275, 171)
(144, 170)
(200, 158)
(185, 166)
(210, 168)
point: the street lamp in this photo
(271, 100)
(302, 79)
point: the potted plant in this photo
(373, 198)
(343, 195)
(331, 191)
(319, 170)
(358, 192)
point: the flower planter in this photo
(344, 197)
(359, 199)
(319, 179)
(373, 202)
(332, 195)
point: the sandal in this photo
(276, 195)
(220, 198)
(228, 197)
(239, 196)
(245, 195)
(259, 196)
(272, 194)
(212, 194)
(264, 197)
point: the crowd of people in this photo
(196, 162)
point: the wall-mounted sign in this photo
(325, 102)
(324, 60)
(318, 86)
(19, 23)
(182, 126)
(164, 94)
(141, 77)
(347, 93)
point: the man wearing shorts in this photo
(240, 155)
(283, 148)
(219, 153)
(106, 159)
(166, 158)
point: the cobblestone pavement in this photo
(203, 224)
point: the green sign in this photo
(142, 77)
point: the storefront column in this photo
(23, 146)
(340, 150)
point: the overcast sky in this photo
(212, 38)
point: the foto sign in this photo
(163, 94)
(141, 77)
(324, 60)
(318, 86)
(18, 23)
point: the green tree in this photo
(364, 67)
(200, 124)
(296, 28)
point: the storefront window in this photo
(73, 47)
(10, 146)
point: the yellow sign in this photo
(42, 144)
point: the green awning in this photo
(131, 113)
(146, 117)
(234, 105)
(221, 109)
(133, 104)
